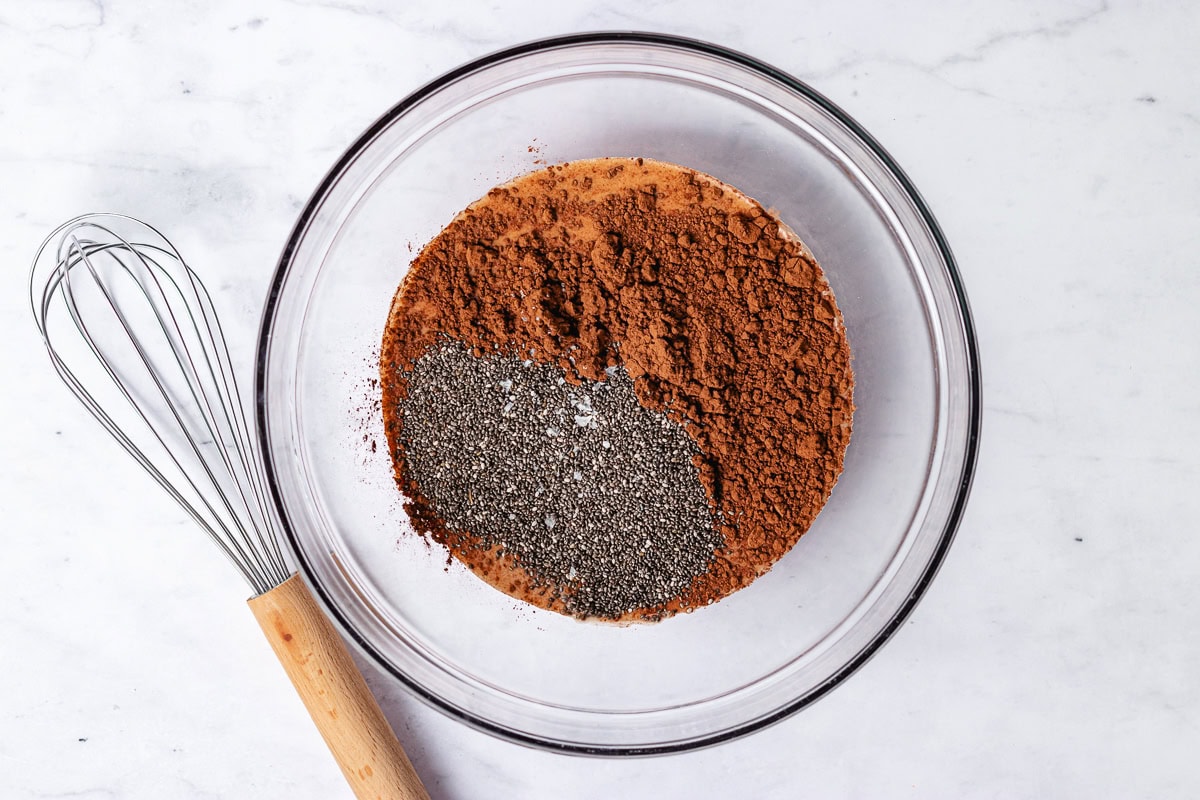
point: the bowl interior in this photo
(535, 675)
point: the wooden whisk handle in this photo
(337, 697)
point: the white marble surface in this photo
(1057, 653)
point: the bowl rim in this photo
(654, 40)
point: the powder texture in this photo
(717, 312)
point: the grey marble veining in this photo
(1054, 656)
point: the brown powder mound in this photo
(717, 311)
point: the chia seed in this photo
(588, 490)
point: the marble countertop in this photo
(1056, 654)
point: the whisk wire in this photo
(230, 403)
(207, 415)
(81, 254)
(268, 533)
(197, 387)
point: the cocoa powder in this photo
(717, 311)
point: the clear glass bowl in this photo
(534, 676)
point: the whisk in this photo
(133, 333)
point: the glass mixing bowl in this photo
(534, 676)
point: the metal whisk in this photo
(133, 333)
